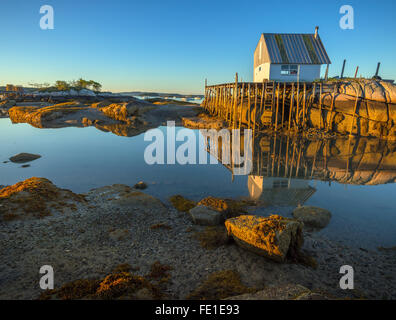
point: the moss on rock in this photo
(182, 204)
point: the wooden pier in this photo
(274, 105)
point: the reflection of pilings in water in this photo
(323, 106)
(362, 161)
(349, 161)
(233, 148)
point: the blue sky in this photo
(172, 46)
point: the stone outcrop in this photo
(374, 116)
(205, 216)
(274, 237)
(35, 198)
(38, 117)
(126, 110)
(24, 157)
(313, 217)
(370, 89)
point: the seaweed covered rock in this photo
(182, 204)
(313, 217)
(228, 207)
(274, 237)
(117, 285)
(35, 198)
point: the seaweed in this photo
(220, 285)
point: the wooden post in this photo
(378, 67)
(343, 68)
(255, 106)
(235, 97)
(262, 98)
(332, 107)
(249, 104)
(241, 105)
(277, 106)
(354, 111)
(291, 105)
(283, 104)
(356, 72)
(298, 105)
(320, 106)
(304, 106)
(327, 73)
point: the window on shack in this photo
(289, 69)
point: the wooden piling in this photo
(277, 106)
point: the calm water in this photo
(283, 175)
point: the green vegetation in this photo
(282, 49)
(61, 85)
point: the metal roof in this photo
(295, 48)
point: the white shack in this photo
(289, 57)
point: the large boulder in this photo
(313, 217)
(274, 237)
(205, 216)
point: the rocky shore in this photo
(123, 116)
(162, 249)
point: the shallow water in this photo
(84, 158)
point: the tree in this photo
(62, 85)
(96, 86)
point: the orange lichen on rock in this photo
(272, 237)
(36, 115)
(220, 285)
(229, 207)
(34, 197)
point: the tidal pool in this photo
(353, 179)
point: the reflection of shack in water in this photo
(279, 191)
(285, 165)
